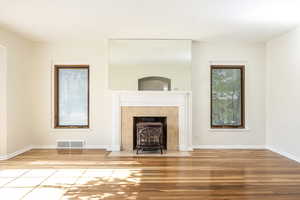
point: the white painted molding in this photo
(284, 153)
(11, 155)
(229, 147)
(106, 147)
(229, 129)
(228, 62)
(114, 148)
(134, 92)
(28, 148)
(72, 130)
(44, 146)
(116, 124)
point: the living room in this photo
(149, 100)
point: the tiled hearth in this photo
(149, 154)
(175, 105)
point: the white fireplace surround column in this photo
(181, 99)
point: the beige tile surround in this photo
(128, 112)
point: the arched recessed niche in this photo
(154, 83)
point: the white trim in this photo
(107, 77)
(116, 124)
(28, 148)
(229, 130)
(229, 147)
(228, 62)
(186, 148)
(284, 153)
(16, 153)
(141, 92)
(44, 147)
(72, 130)
(114, 148)
(106, 147)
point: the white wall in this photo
(100, 134)
(253, 56)
(130, 60)
(127, 78)
(3, 114)
(18, 90)
(100, 99)
(283, 97)
(29, 92)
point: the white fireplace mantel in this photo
(181, 99)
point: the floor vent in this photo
(72, 144)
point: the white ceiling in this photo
(205, 20)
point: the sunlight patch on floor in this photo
(45, 193)
(66, 183)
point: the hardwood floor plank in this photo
(206, 175)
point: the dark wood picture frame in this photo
(56, 95)
(242, 69)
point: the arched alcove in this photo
(154, 83)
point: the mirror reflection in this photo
(150, 65)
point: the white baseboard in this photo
(11, 155)
(106, 147)
(85, 147)
(114, 148)
(27, 148)
(44, 147)
(284, 153)
(271, 148)
(229, 147)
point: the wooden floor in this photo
(207, 175)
